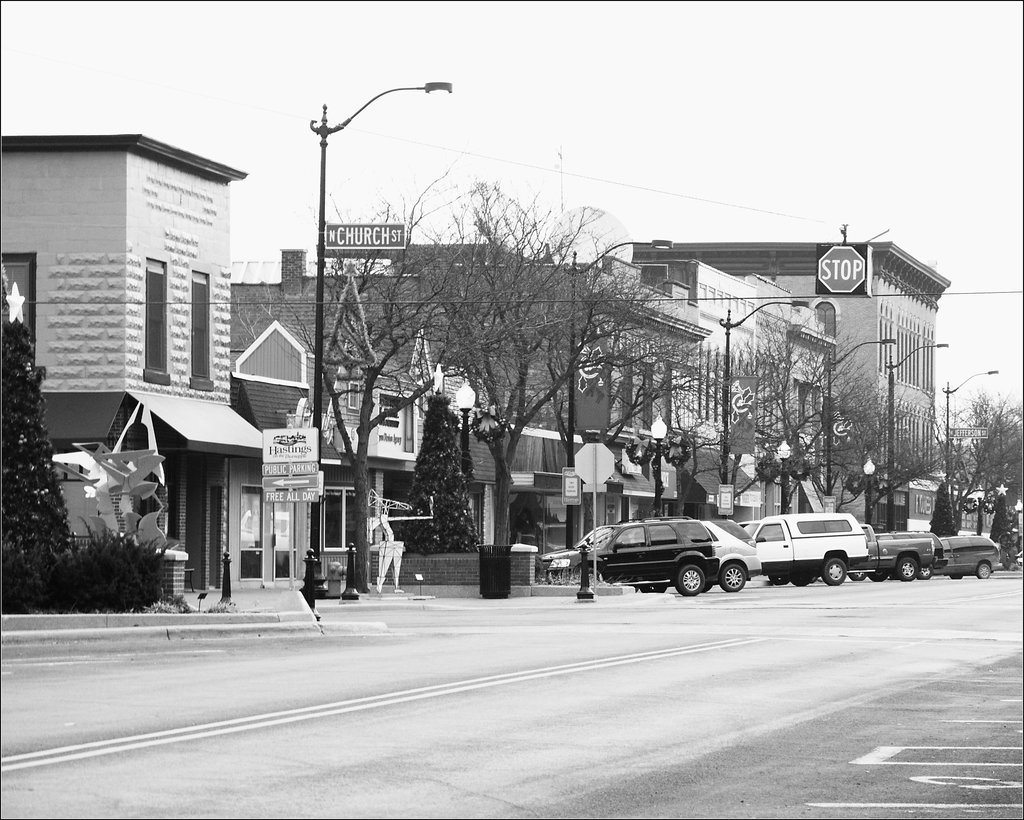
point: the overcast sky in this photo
(684, 121)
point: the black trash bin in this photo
(495, 570)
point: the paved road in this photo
(875, 700)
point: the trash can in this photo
(495, 570)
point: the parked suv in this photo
(655, 552)
(969, 555)
(564, 564)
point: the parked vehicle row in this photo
(799, 548)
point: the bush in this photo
(26, 579)
(111, 573)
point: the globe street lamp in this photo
(658, 432)
(728, 324)
(833, 363)
(948, 392)
(869, 472)
(465, 398)
(890, 504)
(324, 131)
(570, 410)
(783, 452)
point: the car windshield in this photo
(732, 528)
(601, 534)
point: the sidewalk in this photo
(258, 612)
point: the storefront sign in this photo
(572, 487)
(725, 498)
(300, 444)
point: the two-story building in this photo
(121, 245)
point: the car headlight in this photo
(559, 563)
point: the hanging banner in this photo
(593, 394)
(742, 414)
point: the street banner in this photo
(742, 414)
(593, 393)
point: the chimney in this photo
(293, 270)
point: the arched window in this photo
(827, 318)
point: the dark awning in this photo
(87, 416)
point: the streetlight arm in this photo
(428, 88)
(912, 352)
(846, 355)
(947, 391)
(729, 325)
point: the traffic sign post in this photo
(843, 270)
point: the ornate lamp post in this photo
(728, 324)
(833, 363)
(658, 432)
(869, 473)
(324, 131)
(465, 398)
(890, 504)
(949, 392)
(782, 453)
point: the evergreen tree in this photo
(35, 525)
(1000, 520)
(439, 475)
(942, 523)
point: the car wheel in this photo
(833, 571)
(689, 580)
(732, 578)
(856, 576)
(878, 576)
(924, 573)
(778, 580)
(802, 580)
(983, 571)
(906, 569)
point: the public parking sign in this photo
(843, 270)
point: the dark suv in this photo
(656, 552)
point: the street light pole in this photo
(869, 472)
(323, 130)
(782, 453)
(465, 398)
(948, 392)
(833, 363)
(728, 324)
(890, 502)
(658, 432)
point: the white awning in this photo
(206, 426)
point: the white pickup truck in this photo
(800, 547)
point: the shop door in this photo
(284, 541)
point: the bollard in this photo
(585, 593)
(309, 582)
(350, 593)
(225, 580)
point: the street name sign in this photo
(843, 270)
(969, 432)
(387, 237)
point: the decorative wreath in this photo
(640, 450)
(488, 426)
(678, 451)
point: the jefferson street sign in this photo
(969, 432)
(388, 237)
(843, 270)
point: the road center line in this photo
(224, 727)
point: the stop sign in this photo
(842, 269)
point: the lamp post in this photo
(833, 363)
(890, 504)
(570, 454)
(782, 453)
(949, 392)
(323, 130)
(465, 398)
(658, 432)
(728, 324)
(869, 472)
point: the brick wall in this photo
(455, 568)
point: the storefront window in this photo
(284, 541)
(250, 534)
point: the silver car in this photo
(736, 553)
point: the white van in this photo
(800, 547)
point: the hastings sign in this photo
(291, 444)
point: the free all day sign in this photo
(843, 270)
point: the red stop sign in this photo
(842, 269)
